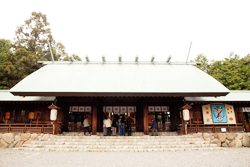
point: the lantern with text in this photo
(185, 115)
(53, 115)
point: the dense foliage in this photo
(18, 59)
(232, 72)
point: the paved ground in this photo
(233, 157)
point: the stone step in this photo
(116, 137)
(133, 133)
(120, 150)
(117, 146)
(119, 142)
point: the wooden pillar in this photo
(65, 114)
(1, 115)
(94, 117)
(163, 120)
(145, 117)
(100, 118)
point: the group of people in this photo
(117, 124)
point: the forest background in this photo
(19, 58)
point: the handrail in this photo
(216, 127)
(22, 127)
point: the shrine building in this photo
(142, 90)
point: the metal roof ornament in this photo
(86, 57)
(136, 58)
(103, 58)
(153, 57)
(120, 57)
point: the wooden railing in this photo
(26, 128)
(239, 127)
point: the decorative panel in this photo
(230, 114)
(207, 114)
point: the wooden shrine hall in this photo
(142, 90)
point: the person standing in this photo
(104, 127)
(119, 125)
(86, 125)
(129, 123)
(108, 123)
(122, 126)
(154, 128)
(114, 127)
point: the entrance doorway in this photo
(161, 114)
(76, 117)
(115, 112)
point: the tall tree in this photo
(5, 47)
(232, 72)
(204, 62)
(35, 34)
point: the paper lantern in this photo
(185, 113)
(31, 115)
(7, 115)
(53, 114)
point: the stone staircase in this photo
(78, 142)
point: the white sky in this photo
(144, 27)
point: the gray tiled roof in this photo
(5, 95)
(119, 79)
(233, 96)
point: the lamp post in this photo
(53, 115)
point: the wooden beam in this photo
(94, 118)
(145, 117)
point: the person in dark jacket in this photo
(154, 128)
(122, 126)
(129, 123)
(114, 127)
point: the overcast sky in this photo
(216, 28)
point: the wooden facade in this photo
(168, 121)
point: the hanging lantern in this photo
(31, 115)
(185, 114)
(7, 115)
(53, 114)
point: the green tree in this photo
(232, 72)
(35, 34)
(5, 47)
(18, 60)
(204, 62)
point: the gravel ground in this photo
(231, 157)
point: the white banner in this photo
(246, 109)
(116, 109)
(157, 109)
(108, 108)
(88, 109)
(131, 109)
(123, 109)
(151, 109)
(80, 108)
